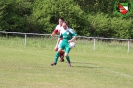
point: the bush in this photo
(106, 26)
(13, 14)
(47, 12)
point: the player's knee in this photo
(56, 49)
(59, 50)
(66, 54)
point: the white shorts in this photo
(59, 43)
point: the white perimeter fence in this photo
(82, 37)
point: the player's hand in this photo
(52, 34)
(70, 40)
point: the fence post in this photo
(128, 46)
(25, 39)
(94, 46)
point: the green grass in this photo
(109, 66)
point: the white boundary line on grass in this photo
(114, 72)
(122, 74)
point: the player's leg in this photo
(56, 57)
(61, 54)
(61, 47)
(67, 50)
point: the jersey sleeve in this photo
(72, 32)
(56, 30)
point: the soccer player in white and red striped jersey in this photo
(57, 31)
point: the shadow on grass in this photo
(81, 62)
(86, 65)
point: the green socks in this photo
(56, 57)
(68, 59)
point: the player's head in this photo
(64, 25)
(60, 20)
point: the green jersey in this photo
(67, 35)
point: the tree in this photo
(14, 14)
(47, 12)
(2, 7)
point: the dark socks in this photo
(68, 59)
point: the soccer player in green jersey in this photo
(57, 31)
(68, 36)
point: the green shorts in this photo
(65, 46)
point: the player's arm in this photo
(57, 43)
(73, 39)
(74, 35)
(54, 32)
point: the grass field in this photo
(109, 66)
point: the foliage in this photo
(94, 6)
(47, 12)
(105, 26)
(14, 15)
(87, 18)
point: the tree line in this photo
(95, 18)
